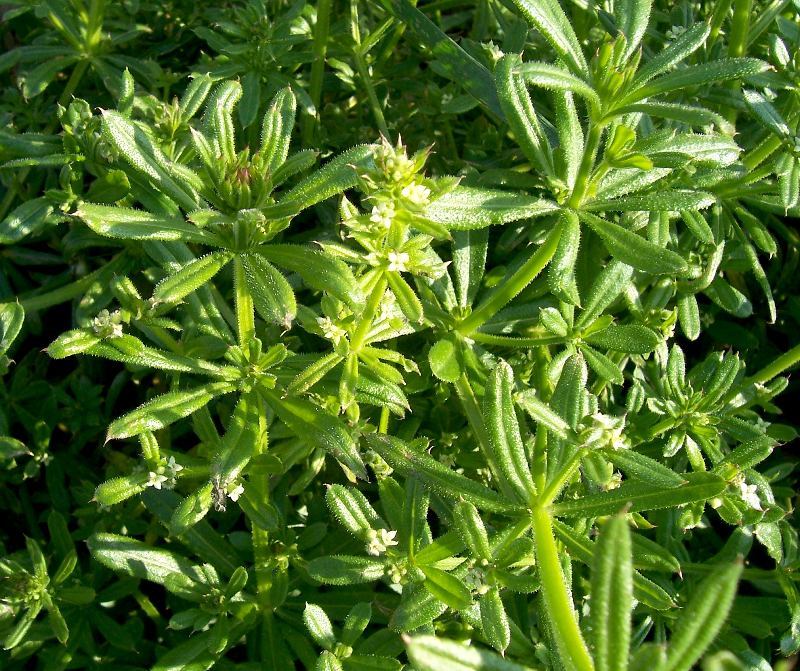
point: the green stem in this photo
(245, 314)
(740, 27)
(367, 317)
(513, 285)
(783, 362)
(374, 103)
(472, 410)
(511, 341)
(475, 420)
(718, 18)
(74, 79)
(555, 486)
(72, 290)
(585, 169)
(558, 603)
(317, 68)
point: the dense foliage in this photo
(375, 334)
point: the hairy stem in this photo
(513, 285)
(317, 68)
(560, 613)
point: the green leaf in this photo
(721, 70)
(766, 113)
(505, 440)
(637, 466)
(561, 271)
(633, 249)
(606, 288)
(628, 338)
(467, 208)
(554, 78)
(320, 428)
(612, 596)
(429, 653)
(703, 618)
(631, 17)
(520, 113)
(218, 119)
(319, 270)
(26, 219)
(446, 588)
(276, 130)
(355, 623)
(541, 413)
(604, 367)
(434, 474)
(139, 149)
(129, 224)
(470, 528)
(272, 295)
(445, 360)
(656, 201)
(191, 510)
(12, 316)
(407, 300)
(319, 626)
(685, 44)
(689, 316)
(116, 490)
(456, 64)
(636, 497)
(166, 409)
(351, 508)
(109, 188)
(582, 549)
(194, 96)
(37, 80)
(134, 558)
(71, 343)
(345, 570)
(334, 177)
(555, 27)
(494, 620)
(191, 277)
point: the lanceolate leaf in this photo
(272, 294)
(435, 475)
(320, 428)
(504, 435)
(166, 409)
(633, 249)
(134, 558)
(429, 653)
(703, 618)
(554, 26)
(612, 596)
(467, 208)
(636, 497)
(318, 270)
(129, 224)
(193, 275)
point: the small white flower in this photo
(155, 480)
(749, 494)
(107, 324)
(604, 431)
(382, 214)
(331, 331)
(397, 261)
(236, 492)
(173, 467)
(418, 194)
(379, 541)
